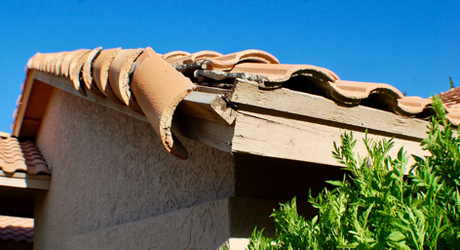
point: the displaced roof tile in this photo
(158, 97)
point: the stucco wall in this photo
(110, 169)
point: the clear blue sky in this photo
(412, 45)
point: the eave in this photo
(24, 180)
(279, 123)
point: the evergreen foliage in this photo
(376, 206)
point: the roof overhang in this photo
(253, 117)
(24, 180)
(279, 123)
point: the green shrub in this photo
(376, 206)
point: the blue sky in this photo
(412, 45)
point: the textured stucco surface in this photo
(110, 169)
(205, 226)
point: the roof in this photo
(21, 156)
(152, 85)
(16, 229)
(22, 165)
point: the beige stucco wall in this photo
(112, 178)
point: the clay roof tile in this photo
(100, 71)
(16, 229)
(21, 156)
(227, 62)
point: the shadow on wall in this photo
(262, 183)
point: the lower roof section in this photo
(22, 165)
(16, 229)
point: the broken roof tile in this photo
(272, 75)
(16, 229)
(21, 156)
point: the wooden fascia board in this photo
(297, 126)
(287, 103)
(23, 180)
(300, 140)
(23, 103)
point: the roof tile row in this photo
(16, 229)
(21, 156)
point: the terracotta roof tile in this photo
(21, 156)
(100, 71)
(270, 75)
(158, 98)
(173, 55)
(183, 61)
(87, 72)
(451, 99)
(120, 73)
(16, 229)
(227, 62)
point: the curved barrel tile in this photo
(454, 117)
(100, 72)
(159, 88)
(58, 62)
(351, 93)
(175, 55)
(193, 61)
(77, 73)
(204, 55)
(192, 58)
(120, 72)
(227, 62)
(270, 76)
(87, 72)
(67, 60)
(275, 74)
(412, 105)
(76, 63)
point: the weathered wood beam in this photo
(215, 134)
(207, 106)
(285, 102)
(286, 138)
